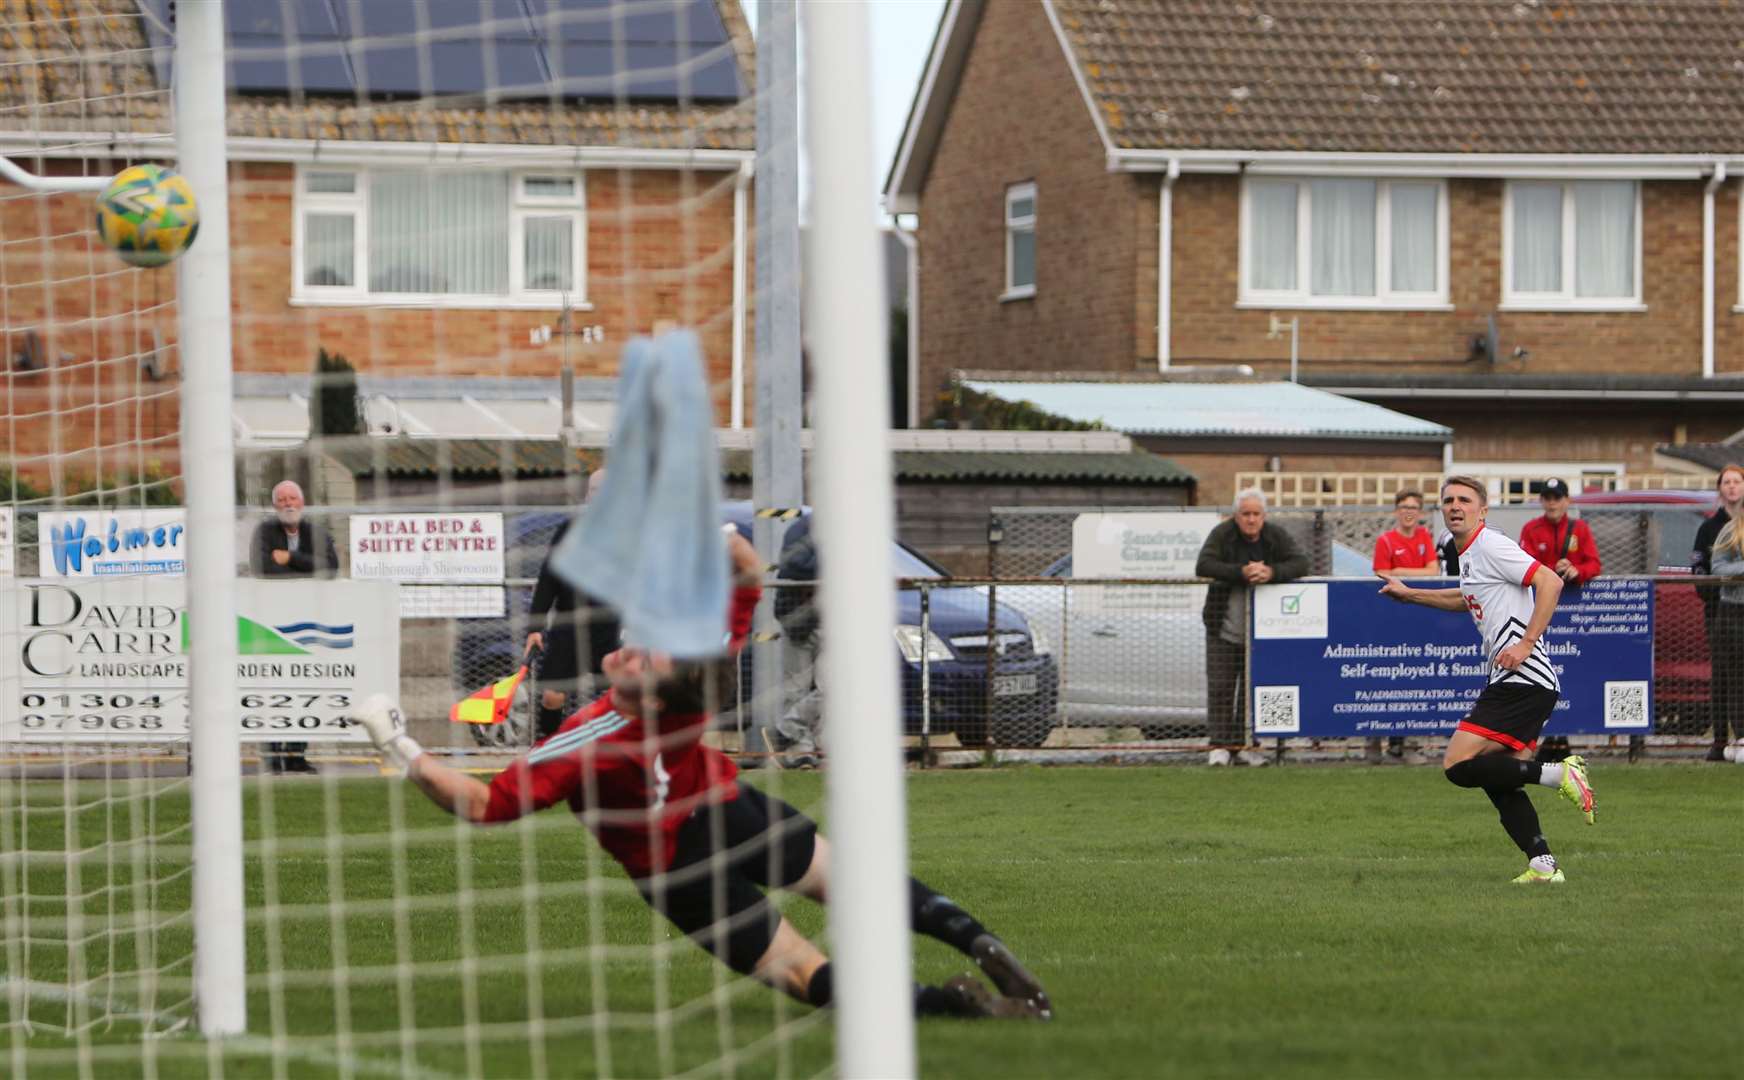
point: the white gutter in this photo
(911, 241)
(1714, 181)
(105, 144)
(1513, 166)
(741, 181)
(1546, 394)
(1166, 263)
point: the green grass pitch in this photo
(1313, 922)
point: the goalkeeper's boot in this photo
(1539, 877)
(969, 997)
(1575, 786)
(1012, 978)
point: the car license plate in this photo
(1010, 685)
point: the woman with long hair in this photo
(1728, 714)
(1726, 640)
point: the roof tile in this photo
(1416, 76)
(51, 81)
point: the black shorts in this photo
(739, 848)
(1511, 714)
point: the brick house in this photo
(1517, 220)
(619, 197)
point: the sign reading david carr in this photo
(428, 549)
(108, 660)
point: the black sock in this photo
(820, 991)
(1494, 771)
(549, 721)
(1520, 818)
(938, 918)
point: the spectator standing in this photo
(1730, 488)
(1567, 547)
(285, 545)
(574, 630)
(1405, 550)
(1239, 554)
(800, 729)
(1558, 541)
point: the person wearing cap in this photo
(1565, 545)
(1558, 541)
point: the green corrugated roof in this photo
(545, 457)
(1136, 467)
(463, 457)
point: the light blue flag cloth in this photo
(650, 542)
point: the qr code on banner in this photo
(1277, 710)
(1626, 705)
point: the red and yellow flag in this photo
(490, 705)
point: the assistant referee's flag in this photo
(490, 705)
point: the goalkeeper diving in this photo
(687, 830)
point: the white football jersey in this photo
(1495, 576)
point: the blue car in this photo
(1024, 689)
(1025, 680)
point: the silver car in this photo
(1132, 656)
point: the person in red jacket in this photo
(1567, 547)
(1406, 550)
(1559, 541)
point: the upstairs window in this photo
(1344, 242)
(475, 237)
(1573, 245)
(1020, 241)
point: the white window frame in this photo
(1565, 298)
(1013, 226)
(1385, 297)
(521, 207)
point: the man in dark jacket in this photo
(580, 633)
(287, 546)
(1239, 554)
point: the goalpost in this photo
(474, 205)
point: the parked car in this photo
(1024, 683)
(1139, 664)
(1024, 686)
(1681, 671)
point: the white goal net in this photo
(352, 418)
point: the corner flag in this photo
(490, 705)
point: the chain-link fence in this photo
(1083, 662)
(1033, 656)
(1632, 538)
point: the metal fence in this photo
(1032, 541)
(1081, 662)
(1028, 657)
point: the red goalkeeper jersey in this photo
(631, 783)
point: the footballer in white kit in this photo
(1511, 597)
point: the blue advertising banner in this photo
(1335, 658)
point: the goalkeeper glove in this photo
(386, 725)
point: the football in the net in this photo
(147, 215)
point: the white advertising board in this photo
(106, 660)
(428, 549)
(7, 535)
(100, 543)
(1140, 546)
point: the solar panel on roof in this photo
(268, 53)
